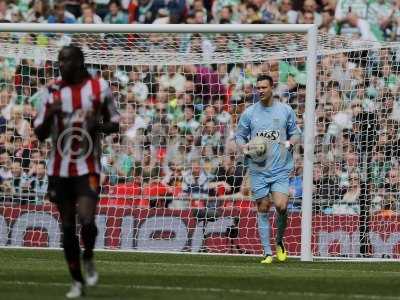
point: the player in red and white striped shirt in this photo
(75, 112)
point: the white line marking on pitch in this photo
(214, 290)
(256, 267)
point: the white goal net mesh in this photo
(173, 179)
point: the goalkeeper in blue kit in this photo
(266, 134)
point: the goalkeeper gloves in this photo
(246, 150)
(289, 146)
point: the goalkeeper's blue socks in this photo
(264, 232)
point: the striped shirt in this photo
(76, 148)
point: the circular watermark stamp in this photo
(75, 136)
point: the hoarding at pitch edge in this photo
(179, 230)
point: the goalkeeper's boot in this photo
(91, 275)
(267, 259)
(76, 290)
(281, 253)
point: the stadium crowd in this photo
(178, 121)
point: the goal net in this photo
(173, 179)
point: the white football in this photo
(258, 149)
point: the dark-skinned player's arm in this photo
(45, 117)
(109, 116)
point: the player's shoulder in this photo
(284, 106)
(252, 108)
(55, 85)
(50, 91)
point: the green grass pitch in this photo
(42, 274)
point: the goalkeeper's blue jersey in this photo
(277, 124)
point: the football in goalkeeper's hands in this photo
(257, 149)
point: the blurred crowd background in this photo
(369, 19)
(176, 143)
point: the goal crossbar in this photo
(155, 28)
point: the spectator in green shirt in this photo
(116, 15)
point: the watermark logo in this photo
(75, 136)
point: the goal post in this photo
(309, 125)
(161, 56)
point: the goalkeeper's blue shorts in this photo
(262, 185)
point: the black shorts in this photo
(70, 188)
